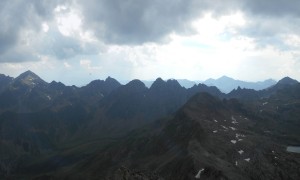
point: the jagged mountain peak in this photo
(27, 74)
(29, 78)
(55, 84)
(112, 81)
(5, 79)
(107, 85)
(170, 83)
(4, 76)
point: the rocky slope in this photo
(207, 138)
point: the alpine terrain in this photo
(106, 130)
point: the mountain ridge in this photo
(233, 83)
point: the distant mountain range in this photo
(227, 84)
(106, 130)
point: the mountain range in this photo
(224, 83)
(106, 130)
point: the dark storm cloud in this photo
(18, 16)
(136, 21)
(270, 21)
(133, 22)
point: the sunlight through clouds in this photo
(187, 39)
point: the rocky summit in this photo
(106, 130)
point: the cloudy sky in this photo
(76, 41)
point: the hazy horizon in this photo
(146, 82)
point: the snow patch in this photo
(233, 141)
(247, 159)
(241, 151)
(236, 163)
(215, 131)
(239, 135)
(224, 127)
(232, 128)
(265, 103)
(233, 120)
(199, 173)
(49, 98)
(215, 120)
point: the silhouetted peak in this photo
(56, 85)
(5, 78)
(200, 85)
(96, 83)
(204, 88)
(113, 81)
(287, 81)
(173, 83)
(136, 84)
(158, 83)
(109, 78)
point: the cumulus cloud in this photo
(31, 29)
